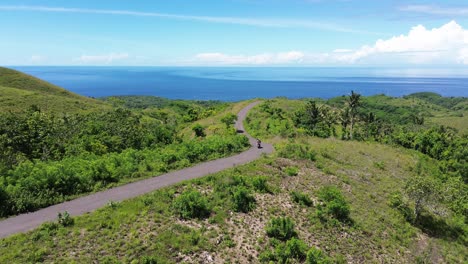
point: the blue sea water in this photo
(237, 83)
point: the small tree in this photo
(199, 130)
(423, 191)
(229, 119)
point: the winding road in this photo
(79, 206)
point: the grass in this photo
(213, 124)
(458, 122)
(20, 91)
(147, 226)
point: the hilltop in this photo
(20, 91)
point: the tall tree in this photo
(354, 102)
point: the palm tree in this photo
(354, 102)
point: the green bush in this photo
(38, 184)
(285, 252)
(65, 219)
(333, 204)
(315, 256)
(229, 119)
(4, 203)
(267, 256)
(396, 201)
(292, 171)
(150, 260)
(297, 151)
(243, 200)
(199, 130)
(281, 228)
(260, 184)
(301, 198)
(191, 204)
(296, 248)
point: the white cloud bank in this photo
(447, 44)
(37, 59)
(436, 10)
(102, 59)
(260, 59)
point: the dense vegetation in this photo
(47, 157)
(164, 226)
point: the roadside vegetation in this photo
(356, 215)
(48, 157)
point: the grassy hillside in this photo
(20, 91)
(395, 193)
(366, 217)
(150, 228)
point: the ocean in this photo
(240, 83)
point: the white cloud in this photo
(436, 10)
(259, 59)
(463, 58)
(446, 44)
(342, 50)
(37, 58)
(276, 23)
(102, 59)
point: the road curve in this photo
(79, 206)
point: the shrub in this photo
(191, 204)
(149, 260)
(260, 184)
(229, 119)
(281, 228)
(242, 199)
(296, 248)
(297, 151)
(65, 219)
(334, 204)
(285, 252)
(267, 256)
(315, 256)
(199, 130)
(4, 203)
(301, 198)
(292, 171)
(396, 201)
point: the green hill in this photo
(396, 193)
(20, 91)
(382, 182)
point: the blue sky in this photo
(234, 32)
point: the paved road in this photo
(26, 222)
